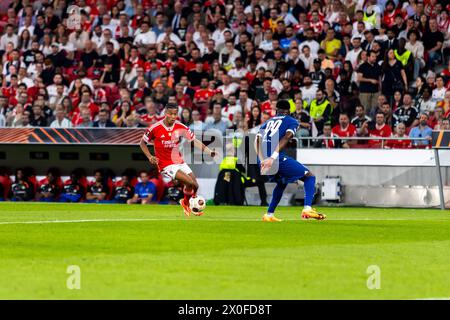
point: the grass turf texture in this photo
(226, 254)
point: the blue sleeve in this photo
(292, 125)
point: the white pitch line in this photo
(438, 298)
(192, 219)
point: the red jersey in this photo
(349, 132)
(203, 94)
(167, 140)
(151, 119)
(384, 132)
(399, 144)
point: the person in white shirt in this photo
(108, 23)
(228, 88)
(97, 36)
(60, 118)
(228, 55)
(79, 38)
(172, 36)
(239, 71)
(353, 54)
(28, 25)
(308, 90)
(9, 36)
(439, 91)
(107, 37)
(266, 44)
(23, 78)
(144, 36)
(52, 89)
(67, 46)
(308, 58)
(417, 49)
(310, 42)
(217, 35)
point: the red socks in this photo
(187, 195)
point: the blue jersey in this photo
(273, 130)
(143, 190)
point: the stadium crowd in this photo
(348, 67)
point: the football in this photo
(197, 205)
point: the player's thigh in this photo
(185, 178)
(293, 170)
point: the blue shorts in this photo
(289, 170)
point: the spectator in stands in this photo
(377, 128)
(332, 143)
(407, 113)
(22, 189)
(388, 115)
(60, 118)
(433, 41)
(320, 110)
(37, 118)
(369, 75)
(103, 120)
(394, 75)
(345, 129)
(422, 130)
(445, 125)
(425, 103)
(439, 90)
(124, 191)
(197, 124)
(145, 190)
(402, 141)
(216, 121)
(97, 192)
(359, 119)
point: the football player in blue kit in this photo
(272, 138)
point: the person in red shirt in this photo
(270, 105)
(183, 99)
(379, 128)
(344, 128)
(402, 142)
(203, 97)
(166, 135)
(390, 13)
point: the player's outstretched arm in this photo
(201, 146)
(257, 146)
(153, 160)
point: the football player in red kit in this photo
(166, 135)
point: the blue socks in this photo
(309, 187)
(276, 197)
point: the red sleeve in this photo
(188, 134)
(148, 135)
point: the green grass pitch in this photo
(154, 252)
